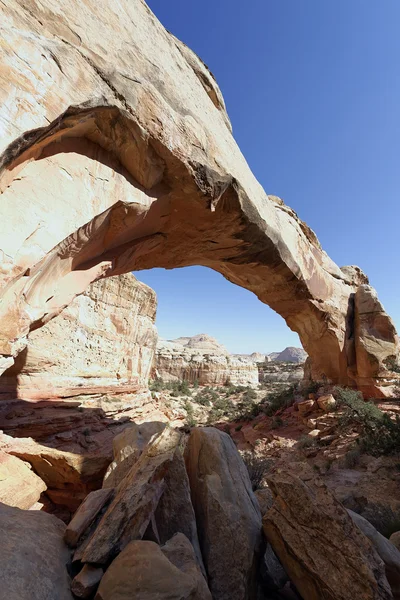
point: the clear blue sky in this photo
(312, 88)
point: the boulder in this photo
(175, 513)
(305, 407)
(326, 403)
(395, 539)
(181, 553)
(323, 552)
(227, 513)
(33, 556)
(19, 486)
(146, 571)
(136, 499)
(386, 550)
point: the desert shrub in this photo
(356, 409)
(276, 423)
(230, 390)
(202, 399)
(246, 410)
(392, 364)
(156, 385)
(307, 442)
(222, 407)
(177, 388)
(222, 404)
(380, 435)
(257, 468)
(190, 418)
(196, 384)
(278, 400)
(249, 394)
(310, 388)
(206, 396)
(235, 389)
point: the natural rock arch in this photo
(138, 170)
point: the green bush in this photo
(277, 400)
(246, 410)
(190, 418)
(249, 394)
(206, 396)
(257, 468)
(307, 442)
(380, 435)
(392, 364)
(276, 423)
(235, 389)
(157, 385)
(202, 399)
(310, 388)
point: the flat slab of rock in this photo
(227, 512)
(19, 485)
(135, 501)
(33, 556)
(146, 571)
(324, 554)
(127, 448)
(85, 515)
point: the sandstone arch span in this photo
(117, 155)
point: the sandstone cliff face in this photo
(118, 155)
(203, 360)
(103, 342)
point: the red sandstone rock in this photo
(19, 486)
(117, 161)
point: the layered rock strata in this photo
(207, 363)
(118, 155)
(103, 342)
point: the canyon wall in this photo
(117, 154)
(104, 341)
(208, 364)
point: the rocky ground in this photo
(157, 482)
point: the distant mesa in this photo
(202, 342)
(290, 354)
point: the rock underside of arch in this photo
(116, 154)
